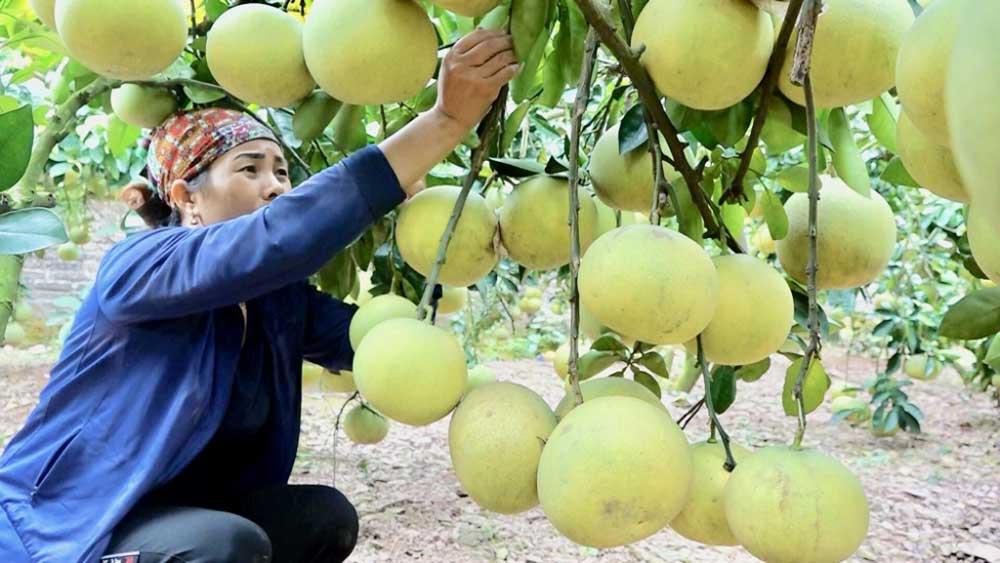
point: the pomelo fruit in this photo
(412, 372)
(856, 236)
(854, 52)
(841, 389)
(123, 40)
(930, 164)
(421, 224)
(703, 518)
(859, 410)
(922, 68)
(606, 219)
(624, 182)
(560, 360)
(534, 223)
(340, 382)
(973, 87)
(69, 252)
(707, 55)
(142, 106)
(311, 376)
(391, 44)
(79, 234)
(606, 387)
(45, 10)
(530, 305)
(15, 335)
(984, 240)
(763, 242)
(255, 53)
(365, 426)
(606, 485)
(650, 283)
(377, 310)
(922, 368)
(754, 315)
(796, 506)
(452, 300)
(495, 438)
(478, 376)
(470, 8)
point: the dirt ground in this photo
(934, 496)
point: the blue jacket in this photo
(145, 375)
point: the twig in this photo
(803, 50)
(576, 122)
(194, 20)
(730, 462)
(336, 431)
(774, 65)
(690, 414)
(491, 126)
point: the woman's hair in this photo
(157, 213)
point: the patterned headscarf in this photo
(187, 143)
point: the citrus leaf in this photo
(15, 145)
(608, 343)
(646, 380)
(813, 387)
(28, 230)
(976, 315)
(794, 179)
(594, 362)
(723, 388)
(895, 173)
(847, 159)
(655, 363)
(774, 215)
(203, 95)
(753, 372)
(121, 136)
(632, 133)
(882, 121)
(516, 167)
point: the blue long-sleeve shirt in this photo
(155, 365)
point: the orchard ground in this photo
(934, 496)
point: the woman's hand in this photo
(472, 74)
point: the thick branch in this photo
(770, 81)
(576, 122)
(730, 462)
(492, 125)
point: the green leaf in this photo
(632, 133)
(794, 179)
(516, 167)
(609, 343)
(723, 388)
(813, 387)
(203, 95)
(526, 81)
(895, 173)
(976, 315)
(528, 21)
(512, 125)
(992, 357)
(28, 230)
(578, 34)
(846, 157)
(121, 136)
(594, 362)
(774, 215)
(214, 8)
(882, 121)
(655, 363)
(753, 372)
(647, 381)
(18, 129)
(730, 125)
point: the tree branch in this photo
(716, 425)
(576, 122)
(770, 81)
(489, 129)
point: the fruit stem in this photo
(688, 416)
(716, 425)
(774, 65)
(651, 101)
(489, 126)
(803, 52)
(576, 122)
(336, 431)
(10, 273)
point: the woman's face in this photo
(241, 181)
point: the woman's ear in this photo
(180, 194)
(135, 195)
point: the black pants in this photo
(284, 524)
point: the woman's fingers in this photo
(497, 63)
(487, 49)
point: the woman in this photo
(169, 427)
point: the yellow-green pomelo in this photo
(606, 219)
(142, 106)
(796, 506)
(340, 382)
(922, 368)
(534, 223)
(624, 182)
(45, 10)
(470, 8)
(859, 410)
(973, 87)
(421, 224)
(614, 471)
(365, 426)
(755, 312)
(478, 376)
(855, 240)
(763, 242)
(560, 360)
(311, 376)
(496, 438)
(930, 164)
(366, 52)
(255, 53)
(452, 300)
(123, 40)
(529, 305)
(650, 283)
(377, 310)
(15, 335)
(984, 240)
(412, 372)
(703, 518)
(922, 68)
(708, 54)
(606, 387)
(854, 52)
